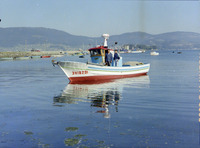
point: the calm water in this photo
(40, 109)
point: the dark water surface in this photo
(40, 109)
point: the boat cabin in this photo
(98, 55)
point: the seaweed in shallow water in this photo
(68, 129)
(71, 141)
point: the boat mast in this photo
(106, 37)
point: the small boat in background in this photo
(154, 53)
(45, 56)
(58, 55)
(6, 58)
(136, 51)
(35, 57)
(22, 58)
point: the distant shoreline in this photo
(14, 54)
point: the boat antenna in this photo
(106, 37)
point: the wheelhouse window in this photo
(95, 52)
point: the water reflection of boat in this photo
(99, 95)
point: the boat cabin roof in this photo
(99, 47)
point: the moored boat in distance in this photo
(6, 58)
(96, 70)
(137, 51)
(58, 55)
(22, 58)
(35, 57)
(45, 56)
(154, 53)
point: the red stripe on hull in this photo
(100, 79)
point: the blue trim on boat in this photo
(117, 69)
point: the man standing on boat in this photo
(116, 57)
(109, 58)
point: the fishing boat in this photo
(96, 70)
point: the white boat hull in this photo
(154, 53)
(79, 72)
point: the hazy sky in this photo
(95, 17)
